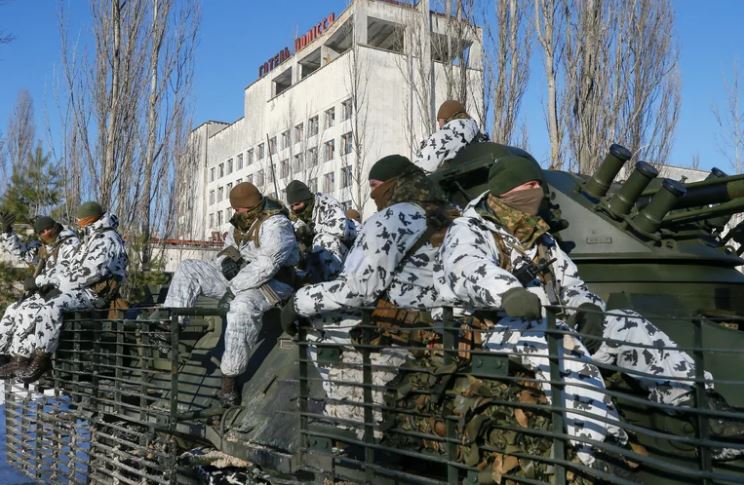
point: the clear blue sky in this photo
(238, 35)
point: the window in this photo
(346, 144)
(240, 161)
(211, 174)
(229, 166)
(328, 182)
(272, 145)
(298, 131)
(249, 179)
(228, 189)
(220, 194)
(312, 184)
(330, 148)
(259, 178)
(249, 157)
(219, 218)
(346, 176)
(297, 163)
(270, 176)
(330, 117)
(260, 151)
(211, 220)
(211, 197)
(312, 126)
(346, 110)
(283, 168)
(346, 205)
(238, 181)
(222, 170)
(285, 139)
(312, 157)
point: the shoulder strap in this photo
(504, 259)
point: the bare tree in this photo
(548, 28)
(120, 143)
(355, 159)
(612, 76)
(730, 121)
(507, 53)
(20, 136)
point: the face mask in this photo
(527, 201)
(383, 193)
(244, 220)
(306, 213)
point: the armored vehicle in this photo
(132, 397)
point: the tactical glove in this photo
(229, 268)
(520, 303)
(304, 233)
(29, 284)
(7, 219)
(589, 320)
(289, 318)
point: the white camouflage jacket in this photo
(100, 255)
(330, 227)
(373, 268)
(59, 253)
(276, 248)
(26, 252)
(444, 143)
(469, 272)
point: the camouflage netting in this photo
(433, 391)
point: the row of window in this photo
(261, 178)
(285, 140)
(299, 163)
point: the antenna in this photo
(271, 162)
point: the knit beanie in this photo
(449, 109)
(298, 192)
(512, 171)
(90, 209)
(42, 223)
(389, 167)
(245, 195)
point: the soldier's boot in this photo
(725, 428)
(40, 363)
(228, 394)
(11, 369)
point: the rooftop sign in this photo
(300, 43)
(314, 32)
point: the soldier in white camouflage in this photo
(251, 275)
(52, 253)
(390, 267)
(92, 279)
(321, 228)
(482, 263)
(456, 131)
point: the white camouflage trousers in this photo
(48, 317)
(638, 346)
(244, 318)
(583, 387)
(342, 381)
(17, 327)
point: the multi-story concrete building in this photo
(359, 85)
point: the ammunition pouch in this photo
(400, 327)
(107, 290)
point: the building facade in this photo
(358, 86)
